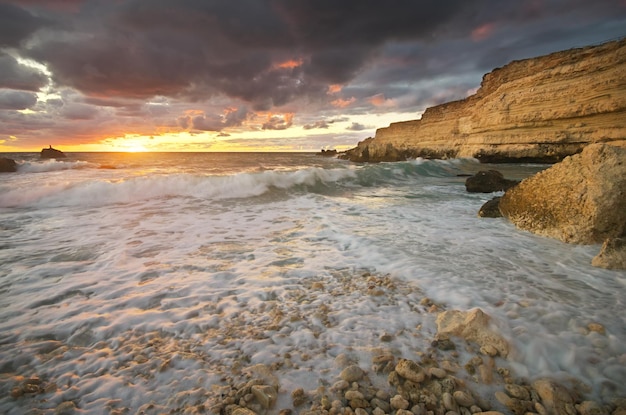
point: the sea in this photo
(149, 282)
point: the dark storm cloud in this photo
(139, 49)
(16, 25)
(16, 76)
(16, 100)
(214, 122)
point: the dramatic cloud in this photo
(276, 122)
(16, 76)
(164, 66)
(16, 100)
(16, 25)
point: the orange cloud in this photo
(377, 100)
(342, 103)
(290, 64)
(278, 121)
(333, 89)
(483, 32)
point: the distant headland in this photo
(533, 110)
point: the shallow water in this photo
(130, 279)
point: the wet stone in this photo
(591, 408)
(436, 372)
(410, 370)
(517, 391)
(266, 395)
(382, 404)
(352, 373)
(298, 397)
(398, 402)
(448, 402)
(353, 394)
(463, 398)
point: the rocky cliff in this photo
(534, 110)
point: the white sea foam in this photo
(200, 274)
(51, 165)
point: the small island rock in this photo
(51, 153)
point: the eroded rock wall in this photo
(536, 110)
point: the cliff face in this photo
(535, 110)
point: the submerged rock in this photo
(487, 181)
(612, 254)
(7, 165)
(580, 200)
(490, 209)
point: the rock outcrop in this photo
(534, 110)
(7, 165)
(51, 153)
(579, 200)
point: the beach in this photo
(188, 283)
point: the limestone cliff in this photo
(534, 110)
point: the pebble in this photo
(382, 404)
(410, 370)
(266, 395)
(340, 385)
(352, 394)
(489, 350)
(503, 398)
(518, 392)
(596, 327)
(398, 402)
(352, 373)
(448, 402)
(65, 408)
(437, 372)
(463, 398)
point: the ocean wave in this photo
(98, 191)
(103, 192)
(51, 165)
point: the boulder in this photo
(473, 326)
(52, 153)
(579, 200)
(612, 255)
(7, 165)
(487, 181)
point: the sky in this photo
(259, 75)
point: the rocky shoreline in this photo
(537, 110)
(464, 370)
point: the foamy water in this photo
(130, 280)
